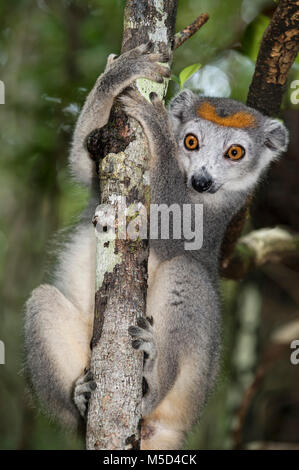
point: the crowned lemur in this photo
(209, 151)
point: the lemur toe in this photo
(150, 320)
(159, 57)
(84, 386)
(142, 322)
(136, 343)
(143, 336)
(148, 47)
(154, 98)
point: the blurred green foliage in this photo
(50, 55)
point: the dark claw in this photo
(89, 376)
(149, 46)
(144, 386)
(92, 385)
(94, 222)
(128, 90)
(136, 343)
(142, 323)
(132, 330)
(153, 96)
(165, 57)
(145, 356)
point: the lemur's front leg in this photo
(155, 121)
(120, 72)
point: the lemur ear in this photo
(179, 103)
(276, 136)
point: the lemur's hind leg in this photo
(183, 348)
(57, 341)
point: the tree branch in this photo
(190, 30)
(270, 356)
(278, 346)
(260, 247)
(278, 50)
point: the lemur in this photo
(209, 151)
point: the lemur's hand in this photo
(154, 119)
(140, 62)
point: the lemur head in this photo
(223, 144)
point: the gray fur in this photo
(183, 344)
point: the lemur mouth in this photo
(214, 188)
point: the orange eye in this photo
(235, 152)
(191, 142)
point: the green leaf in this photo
(253, 35)
(187, 72)
(175, 79)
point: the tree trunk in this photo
(114, 409)
(278, 51)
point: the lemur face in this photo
(223, 145)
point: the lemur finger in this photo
(85, 387)
(145, 323)
(82, 394)
(150, 320)
(159, 57)
(145, 48)
(86, 377)
(82, 404)
(152, 71)
(133, 95)
(155, 99)
(140, 333)
(110, 60)
(164, 71)
(143, 331)
(145, 346)
(132, 101)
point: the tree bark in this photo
(114, 409)
(278, 51)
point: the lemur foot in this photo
(152, 115)
(82, 392)
(143, 337)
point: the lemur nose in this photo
(201, 183)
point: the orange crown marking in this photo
(240, 119)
